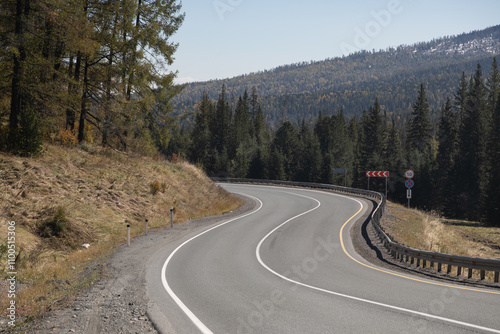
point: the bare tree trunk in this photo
(134, 50)
(70, 112)
(107, 105)
(83, 113)
(18, 98)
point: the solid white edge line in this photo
(201, 326)
(400, 309)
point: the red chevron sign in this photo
(377, 174)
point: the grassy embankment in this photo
(420, 230)
(68, 197)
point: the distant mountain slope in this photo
(300, 90)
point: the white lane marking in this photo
(201, 326)
(396, 308)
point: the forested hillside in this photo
(453, 154)
(394, 76)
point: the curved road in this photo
(288, 266)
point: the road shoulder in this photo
(118, 302)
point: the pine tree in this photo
(201, 135)
(221, 126)
(276, 165)
(357, 138)
(342, 147)
(372, 149)
(326, 175)
(493, 86)
(286, 143)
(394, 152)
(309, 156)
(89, 57)
(460, 98)
(258, 167)
(472, 162)
(395, 163)
(493, 191)
(420, 155)
(446, 156)
(241, 121)
(260, 128)
(420, 128)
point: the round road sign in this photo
(409, 174)
(409, 183)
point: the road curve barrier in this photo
(419, 258)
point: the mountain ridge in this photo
(352, 82)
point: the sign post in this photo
(409, 184)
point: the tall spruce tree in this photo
(420, 129)
(356, 135)
(342, 146)
(201, 135)
(241, 121)
(286, 142)
(221, 125)
(420, 153)
(493, 191)
(372, 150)
(309, 155)
(472, 162)
(446, 156)
(493, 86)
(460, 98)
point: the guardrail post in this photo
(418, 262)
(128, 235)
(483, 274)
(171, 218)
(459, 270)
(448, 270)
(469, 275)
(439, 267)
(424, 262)
(146, 228)
(496, 276)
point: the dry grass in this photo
(100, 191)
(422, 231)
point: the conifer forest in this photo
(454, 158)
(95, 72)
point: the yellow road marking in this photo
(398, 275)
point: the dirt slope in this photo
(70, 197)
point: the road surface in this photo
(288, 266)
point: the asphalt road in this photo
(288, 266)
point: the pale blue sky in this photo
(226, 38)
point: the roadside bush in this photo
(56, 225)
(156, 187)
(66, 137)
